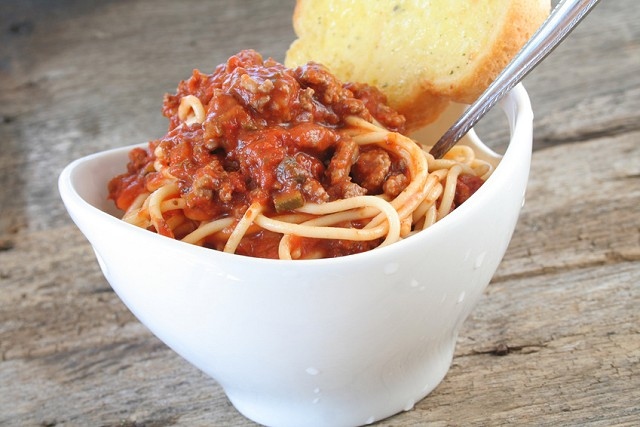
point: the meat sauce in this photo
(270, 135)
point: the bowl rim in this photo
(515, 105)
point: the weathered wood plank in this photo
(580, 210)
(571, 330)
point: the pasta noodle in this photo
(247, 168)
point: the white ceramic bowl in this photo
(332, 342)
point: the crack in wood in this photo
(504, 349)
(632, 125)
(608, 258)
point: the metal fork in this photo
(565, 16)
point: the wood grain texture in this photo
(555, 340)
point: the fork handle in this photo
(565, 16)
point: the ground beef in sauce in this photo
(270, 135)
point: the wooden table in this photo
(555, 341)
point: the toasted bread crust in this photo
(422, 54)
(522, 21)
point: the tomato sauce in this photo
(270, 135)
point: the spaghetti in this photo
(266, 161)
